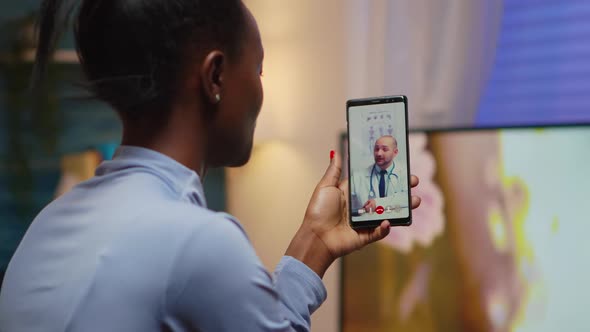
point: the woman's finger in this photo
(414, 180)
(416, 201)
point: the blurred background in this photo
(499, 244)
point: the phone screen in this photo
(378, 161)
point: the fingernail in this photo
(332, 153)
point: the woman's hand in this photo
(325, 233)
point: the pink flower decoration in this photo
(428, 219)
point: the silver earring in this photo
(218, 97)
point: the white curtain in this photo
(437, 52)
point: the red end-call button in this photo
(379, 210)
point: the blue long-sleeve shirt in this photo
(136, 249)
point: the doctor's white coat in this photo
(396, 187)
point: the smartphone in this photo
(378, 161)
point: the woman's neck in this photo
(180, 137)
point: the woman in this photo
(135, 248)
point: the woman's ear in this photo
(211, 74)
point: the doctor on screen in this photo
(384, 181)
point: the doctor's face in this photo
(385, 151)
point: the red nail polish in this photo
(332, 153)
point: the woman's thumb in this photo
(332, 176)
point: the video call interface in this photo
(378, 162)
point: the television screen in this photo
(499, 243)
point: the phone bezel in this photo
(375, 101)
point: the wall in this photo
(303, 114)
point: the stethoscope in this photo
(372, 188)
